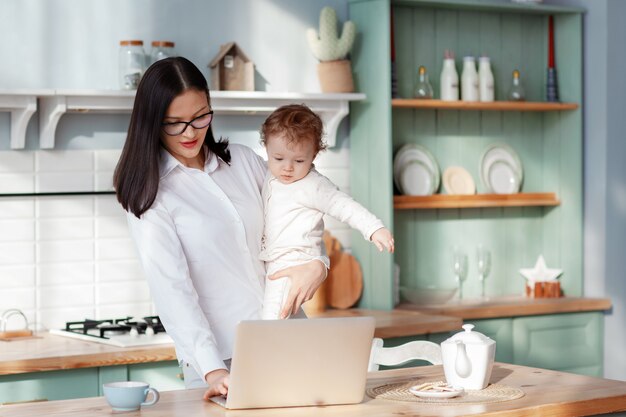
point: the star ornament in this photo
(540, 272)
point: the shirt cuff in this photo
(207, 360)
(373, 228)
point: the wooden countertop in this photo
(511, 306)
(47, 352)
(552, 393)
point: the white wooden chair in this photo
(419, 349)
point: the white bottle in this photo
(469, 80)
(485, 79)
(449, 80)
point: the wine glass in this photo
(483, 258)
(460, 268)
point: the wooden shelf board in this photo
(442, 201)
(491, 106)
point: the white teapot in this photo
(468, 358)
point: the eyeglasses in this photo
(177, 128)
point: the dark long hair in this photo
(136, 177)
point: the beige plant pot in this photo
(335, 76)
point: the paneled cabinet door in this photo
(164, 376)
(564, 342)
(51, 385)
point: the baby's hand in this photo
(383, 239)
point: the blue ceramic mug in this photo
(129, 395)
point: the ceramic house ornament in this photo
(232, 70)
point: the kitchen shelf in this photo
(53, 104)
(537, 106)
(445, 201)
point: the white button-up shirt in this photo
(199, 245)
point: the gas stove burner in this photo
(124, 331)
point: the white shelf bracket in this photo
(50, 112)
(21, 107)
(332, 119)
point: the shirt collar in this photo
(168, 162)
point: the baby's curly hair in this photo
(297, 122)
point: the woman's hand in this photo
(383, 239)
(305, 280)
(218, 383)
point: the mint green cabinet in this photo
(500, 330)
(51, 385)
(563, 342)
(86, 382)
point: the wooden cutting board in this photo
(344, 282)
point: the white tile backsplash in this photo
(112, 227)
(17, 276)
(12, 253)
(65, 251)
(58, 296)
(106, 160)
(65, 258)
(62, 181)
(64, 161)
(17, 230)
(124, 292)
(59, 229)
(17, 208)
(107, 271)
(68, 207)
(17, 183)
(11, 161)
(109, 249)
(70, 273)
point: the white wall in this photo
(67, 258)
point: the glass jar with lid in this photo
(132, 63)
(160, 50)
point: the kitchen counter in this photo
(46, 352)
(546, 393)
(510, 306)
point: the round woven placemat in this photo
(492, 394)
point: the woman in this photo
(195, 213)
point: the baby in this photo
(296, 197)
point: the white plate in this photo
(456, 180)
(416, 178)
(436, 394)
(413, 152)
(507, 174)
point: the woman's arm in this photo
(305, 280)
(165, 267)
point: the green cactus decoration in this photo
(326, 46)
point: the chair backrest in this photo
(419, 349)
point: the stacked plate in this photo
(501, 170)
(415, 171)
(457, 181)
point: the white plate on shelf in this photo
(416, 178)
(408, 154)
(436, 394)
(501, 170)
(457, 181)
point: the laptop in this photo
(299, 362)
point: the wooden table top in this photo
(510, 306)
(46, 352)
(546, 393)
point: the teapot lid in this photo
(469, 336)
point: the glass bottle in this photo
(423, 89)
(132, 64)
(160, 50)
(469, 80)
(516, 92)
(449, 80)
(485, 79)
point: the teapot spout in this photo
(462, 365)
